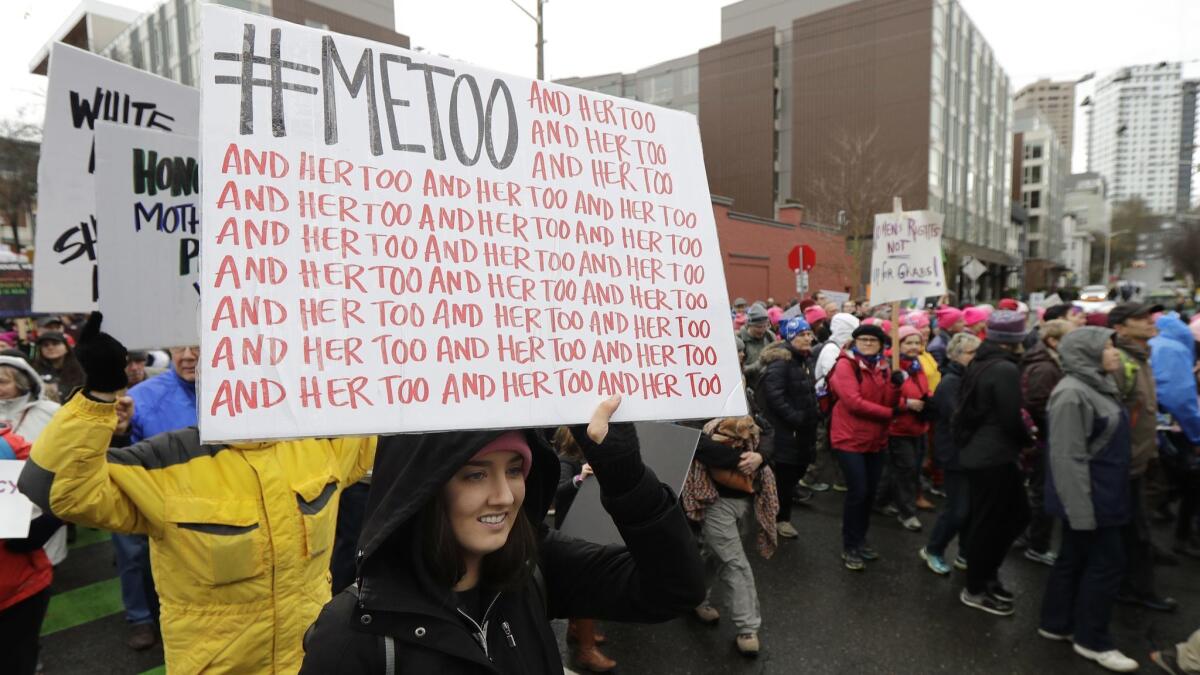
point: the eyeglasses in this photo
(180, 351)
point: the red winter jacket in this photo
(909, 423)
(23, 573)
(865, 399)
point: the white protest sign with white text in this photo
(147, 197)
(395, 241)
(85, 88)
(906, 261)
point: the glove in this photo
(617, 459)
(899, 377)
(103, 358)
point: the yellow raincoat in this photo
(240, 535)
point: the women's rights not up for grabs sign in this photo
(906, 261)
(394, 241)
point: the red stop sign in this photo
(802, 258)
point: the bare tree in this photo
(856, 184)
(1184, 248)
(19, 146)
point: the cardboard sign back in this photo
(85, 88)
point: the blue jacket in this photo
(162, 403)
(1172, 355)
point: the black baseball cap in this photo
(1130, 310)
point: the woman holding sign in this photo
(458, 573)
(867, 397)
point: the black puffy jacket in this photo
(656, 576)
(787, 395)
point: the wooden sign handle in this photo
(898, 208)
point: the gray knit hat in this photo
(757, 314)
(1006, 327)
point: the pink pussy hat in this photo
(974, 315)
(948, 316)
(512, 441)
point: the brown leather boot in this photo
(594, 661)
(575, 625)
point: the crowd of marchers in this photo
(1018, 422)
(440, 552)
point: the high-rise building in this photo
(795, 87)
(1040, 172)
(671, 84)
(1187, 145)
(166, 39)
(1141, 123)
(1056, 101)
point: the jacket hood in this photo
(1081, 351)
(952, 367)
(841, 326)
(1172, 328)
(37, 389)
(411, 468)
(778, 351)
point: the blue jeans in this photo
(953, 519)
(1082, 587)
(861, 470)
(137, 584)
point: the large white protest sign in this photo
(15, 508)
(906, 261)
(147, 198)
(394, 241)
(85, 88)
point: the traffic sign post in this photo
(802, 258)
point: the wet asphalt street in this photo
(896, 617)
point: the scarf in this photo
(871, 360)
(13, 408)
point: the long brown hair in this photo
(505, 569)
(566, 446)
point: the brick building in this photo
(755, 249)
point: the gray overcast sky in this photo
(1031, 38)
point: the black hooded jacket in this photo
(988, 426)
(656, 576)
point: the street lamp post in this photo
(1108, 252)
(541, 41)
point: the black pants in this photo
(861, 470)
(902, 474)
(20, 626)
(999, 513)
(1139, 558)
(787, 476)
(1041, 525)
(953, 519)
(1189, 507)
(1082, 587)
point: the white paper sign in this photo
(394, 241)
(906, 261)
(840, 297)
(15, 508)
(147, 197)
(85, 88)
